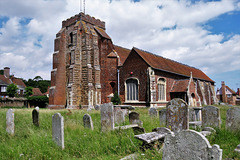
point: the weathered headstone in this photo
(192, 115)
(189, 144)
(162, 117)
(162, 130)
(107, 116)
(177, 115)
(211, 117)
(97, 107)
(10, 121)
(35, 117)
(58, 129)
(119, 116)
(152, 112)
(133, 116)
(87, 121)
(233, 119)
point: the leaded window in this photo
(132, 89)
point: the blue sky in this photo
(201, 33)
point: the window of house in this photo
(229, 95)
(132, 90)
(3, 89)
(161, 89)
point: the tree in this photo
(12, 90)
(28, 91)
(116, 99)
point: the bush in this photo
(116, 99)
(40, 101)
(12, 90)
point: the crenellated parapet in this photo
(81, 16)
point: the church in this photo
(88, 69)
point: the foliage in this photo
(116, 99)
(40, 101)
(28, 91)
(1, 71)
(12, 90)
(38, 82)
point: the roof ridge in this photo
(165, 58)
(121, 47)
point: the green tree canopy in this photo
(28, 91)
(38, 82)
(12, 90)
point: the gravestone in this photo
(35, 117)
(192, 115)
(152, 112)
(133, 116)
(97, 107)
(119, 116)
(177, 115)
(162, 117)
(10, 122)
(189, 144)
(211, 117)
(87, 121)
(233, 119)
(107, 116)
(162, 130)
(58, 129)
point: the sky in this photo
(204, 34)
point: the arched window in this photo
(161, 89)
(132, 90)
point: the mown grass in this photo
(31, 142)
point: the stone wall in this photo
(13, 102)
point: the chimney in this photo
(7, 72)
(224, 96)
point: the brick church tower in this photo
(81, 73)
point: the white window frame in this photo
(134, 98)
(161, 89)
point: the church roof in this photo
(122, 53)
(102, 32)
(180, 85)
(164, 64)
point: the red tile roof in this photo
(164, 64)
(122, 53)
(4, 80)
(180, 86)
(232, 91)
(36, 92)
(18, 81)
(102, 32)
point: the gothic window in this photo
(161, 89)
(132, 90)
(71, 38)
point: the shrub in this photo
(12, 90)
(40, 101)
(116, 99)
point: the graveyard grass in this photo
(31, 142)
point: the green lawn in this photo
(31, 142)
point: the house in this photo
(7, 79)
(226, 95)
(88, 68)
(37, 92)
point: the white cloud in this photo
(172, 29)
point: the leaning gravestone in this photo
(177, 115)
(119, 116)
(87, 121)
(10, 121)
(189, 145)
(58, 129)
(35, 117)
(211, 117)
(152, 112)
(233, 119)
(162, 117)
(107, 116)
(97, 107)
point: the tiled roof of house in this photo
(164, 64)
(180, 86)
(36, 92)
(4, 80)
(102, 32)
(18, 82)
(232, 91)
(122, 53)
